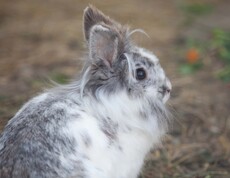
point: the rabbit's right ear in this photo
(93, 16)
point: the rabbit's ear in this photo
(93, 16)
(103, 44)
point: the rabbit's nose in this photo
(166, 89)
(167, 86)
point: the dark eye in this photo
(140, 74)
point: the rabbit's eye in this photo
(140, 74)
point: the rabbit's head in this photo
(117, 65)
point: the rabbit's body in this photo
(62, 135)
(101, 126)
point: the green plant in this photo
(193, 10)
(60, 78)
(221, 44)
(197, 9)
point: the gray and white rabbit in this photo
(101, 126)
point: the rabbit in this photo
(101, 125)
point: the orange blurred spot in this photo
(192, 55)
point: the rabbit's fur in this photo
(100, 126)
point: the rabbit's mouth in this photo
(164, 92)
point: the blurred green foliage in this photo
(187, 69)
(197, 9)
(221, 44)
(60, 78)
(218, 44)
(193, 10)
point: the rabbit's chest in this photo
(110, 150)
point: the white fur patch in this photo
(99, 28)
(148, 55)
(134, 138)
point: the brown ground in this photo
(41, 40)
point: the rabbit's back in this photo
(33, 144)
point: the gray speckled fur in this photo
(32, 142)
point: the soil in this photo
(42, 40)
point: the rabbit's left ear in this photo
(103, 44)
(92, 16)
(104, 36)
